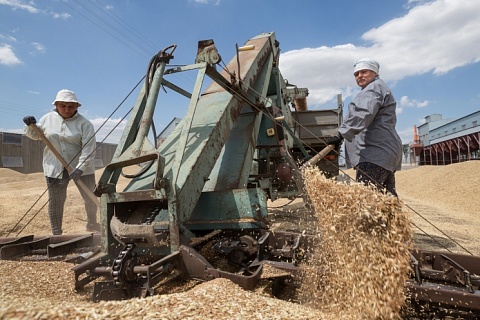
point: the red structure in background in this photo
(416, 146)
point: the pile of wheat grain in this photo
(216, 299)
(361, 264)
(455, 186)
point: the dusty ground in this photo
(443, 202)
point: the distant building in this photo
(444, 141)
(22, 154)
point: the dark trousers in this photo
(381, 178)
(57, 193)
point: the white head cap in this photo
(366, 63)
(65, 95)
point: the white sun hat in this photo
(65, 95)
(366, 64)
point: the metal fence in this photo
(22, 154)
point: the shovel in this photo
(89, 192)
(319, 155)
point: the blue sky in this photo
(429, 51)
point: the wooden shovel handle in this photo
(319, 155)
(89, 192)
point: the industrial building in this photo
(444, 141)
(22, 154)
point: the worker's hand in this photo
(75, 174)
(335, 140)
(29, 120)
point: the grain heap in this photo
(361, 264)
(216, 299)
(455, 186)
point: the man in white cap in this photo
(73, 137)
(372, 145)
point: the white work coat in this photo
(73, 138)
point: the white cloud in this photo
(407, 46)
(8, 38)
(413, 45)
(214, 2)
(405, 101)
(62, 15)
(408, 132)
(20, 5)
(38, 48)
(314, 68)
(413, 3)
(7, 56)
(31, 8)
(111, 129)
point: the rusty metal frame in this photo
(47, 247)
(188, 263)
(448, 280)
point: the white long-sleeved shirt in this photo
(73, 138)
